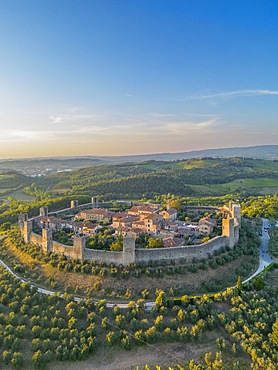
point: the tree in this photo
(111, 338)
(155, 243)
(274, 335)
(205, 239)
(161, 299)
(176, 203)
(116, 246)
(38, 360)
(7, 356)
(238, 284)
(17, 360)
(5, 226)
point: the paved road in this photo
(265, 258)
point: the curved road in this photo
(264, 261)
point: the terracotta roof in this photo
(207, 220)
(152, 216)
(171, 242)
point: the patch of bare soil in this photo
(158, 354)
(221, 306)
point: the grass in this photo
(196, 163)
(19, 195)
(262, 185)
(259, 182)
(5, 176)
(267, 165)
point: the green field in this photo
(19, 195)
(261, 185)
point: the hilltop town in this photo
(170, 237)
(144, 218)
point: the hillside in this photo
(192, 177)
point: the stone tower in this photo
(74, 204)
(27, 230)
(236, 234)
(47, 240)
(44, 211)
(95, 202)
(228, 229)
(236, 213)
(79, 245)
(129, 249)
(21, 218)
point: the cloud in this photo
(188, 127)
(56, 119)
(20, 135)
(235, 93)
(74, 118)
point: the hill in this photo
(191, 177)
(44, 166)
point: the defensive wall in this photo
(201, 208)
(176, 253)
(131, 254)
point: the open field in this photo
(262, 186)
(19, 195)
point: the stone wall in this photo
(176, 253)
(201, 208)
(105, 256)
(69, 251)
(36, 239)
(130, 254)
(77, 251)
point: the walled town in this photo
(178, 239)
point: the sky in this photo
(119, 77)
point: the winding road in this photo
(264, 260)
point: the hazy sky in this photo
(105, 77)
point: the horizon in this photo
(120, 78)
(134, 155)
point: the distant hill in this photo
(43, 166)
(256, 152)
(187, 177)
(147, 179)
